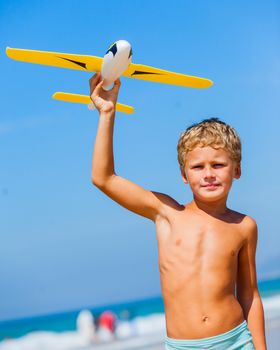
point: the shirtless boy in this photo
(206, 250)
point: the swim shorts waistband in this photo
(209, 340)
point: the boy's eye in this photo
(219, 165)
(197, 167)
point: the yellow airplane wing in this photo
(67, 97)
(140, 71)
(94, 63)
(57, 59)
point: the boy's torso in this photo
(198, 261)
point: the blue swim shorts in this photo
(238, 338)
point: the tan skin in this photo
(204, 248)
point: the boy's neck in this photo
(216, 209)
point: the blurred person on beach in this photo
(106, 327)
(86, 325)
(206, 250)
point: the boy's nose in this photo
(208, 173)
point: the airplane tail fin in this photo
(85, 99)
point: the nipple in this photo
(178, 241)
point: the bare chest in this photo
(195, 248)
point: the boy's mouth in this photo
(211, 186)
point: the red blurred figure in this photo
(106, 326)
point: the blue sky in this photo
(64, 245)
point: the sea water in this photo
(66, 321)
(142, 310)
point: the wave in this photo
(138, 332)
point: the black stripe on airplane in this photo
(81, 64)
(138, 72)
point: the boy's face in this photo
(210, 173)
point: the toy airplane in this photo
(116, 62)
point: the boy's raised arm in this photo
(121, 190)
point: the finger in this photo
(98, 87)
(91, 106)
(96, 91)
(93, 78)
(94, 81)
(118, 82)
(117, 85)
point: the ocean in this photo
(66, 321)
(146, 316)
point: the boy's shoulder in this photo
(247, 224)
(245, 219)
(243, 223)
(250, 229)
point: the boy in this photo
(204, 248)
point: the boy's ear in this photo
(237, 171)
(184, 177)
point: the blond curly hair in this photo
(209, 132)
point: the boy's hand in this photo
(104, 101)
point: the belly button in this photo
(205, 318)
(232, 252)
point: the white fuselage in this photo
(115, 62)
